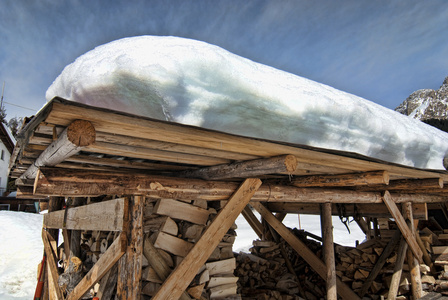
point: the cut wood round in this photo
(81, 133)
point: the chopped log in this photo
(401, 223)
(172, 244)
(182, 211)
(164, 224)
(252, 168)
(223, 291)
(65, 182)
(158, 263)
(327, 236)
(342, 180)
(108, 283)
(196, 291)
(104, 216)
(130, 264)
(221, 267)
(221, 280)
(309, 256)
(103, 265)
(178, 281)
(77, 135)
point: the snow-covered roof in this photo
(195, 83)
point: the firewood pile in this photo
(274, 270)
(173, 227)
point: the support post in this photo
(130, 264)
(398, 269)
(327, 230)
(414, 266)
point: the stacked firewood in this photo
(173, 227)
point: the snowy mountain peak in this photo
(427, 104)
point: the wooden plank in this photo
(52, 265)
(181, 210)
(63, 112)
(342, 180)
(309, 256)
(78, 134)
(243, 169)
(179, 280)
(401, 223)
(103, 216)
(130, 264)
(102, 266)
(329, 252)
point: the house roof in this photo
(6, 138)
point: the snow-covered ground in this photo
(195, 83)
(21, 247)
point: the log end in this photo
(81, 133)
(290, 163)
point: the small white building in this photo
(7, 143)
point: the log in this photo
(252, 168)
(178, 281)
(181, 210)
(401, 223)
(309, 256)
(65, 182)
(78, 134)
(172, 244)
(406, 185)
(342, 180)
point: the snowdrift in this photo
(195, 83)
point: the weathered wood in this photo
(52, 265)
(103, 216)
(406, 185)
(373, 210)
(414, 266)
(130, 264)
(398, 269)
(401, 223)
(181, 210)
(78, 134)
(252, 221)
(102, 266)
(158, 263)
(309, 256)
(252, 168)
(329, 252)
(342, 180)
(380, 262)
(178, 281)
(54, 181)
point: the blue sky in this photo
(379, 50)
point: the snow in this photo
(195, 83)
(20, 253)
(22, 248)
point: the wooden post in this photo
(253, 221)
(329, 251)
(181, 277)
(309, 256)
(414, 266)
(130, 264)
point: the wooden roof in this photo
(129, 143)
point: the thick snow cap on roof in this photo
(195, 83)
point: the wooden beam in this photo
(406, 185)
(130, 264)
(401, 223)
(103, 216)
(374, 210)
(414, 266)
(253, 221)
(181, 277)
(329, 251)
(100, 268)
(252, 168)
(398, 269)
(342, 180)
(78, 134)
(52, 265)
(63, 182)
(309, 256)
